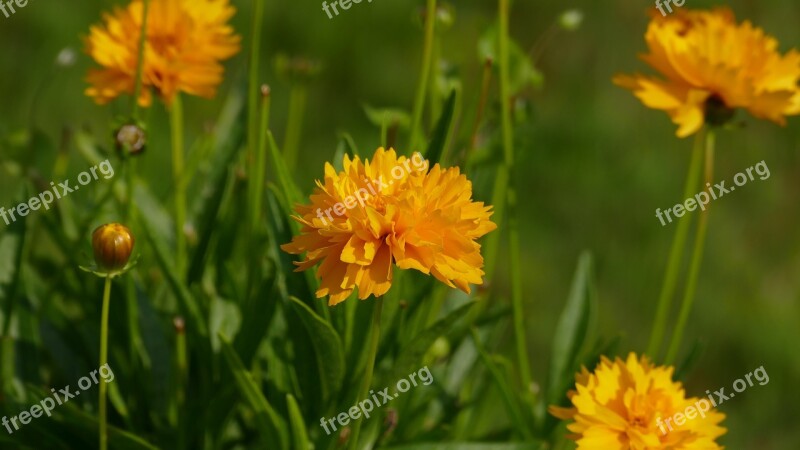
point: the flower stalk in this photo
(675, 253)
(104, 361)
(425, 71)
(375, 338)
(176, 125)
(697, 258)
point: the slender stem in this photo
(516, 297)
(104, 361)
(294, 124)
(176, 123)
(256, 190)
(508, 152)
(375, 339)
(256, 187)
(484, 96)
(182, 367)
(137, 90)
(675, 253)
(505, 86)
(697, 259)
(253, 79)
(384, 130)
(422, 88)
(433, 89)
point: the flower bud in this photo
(130, 138)
(112, 244)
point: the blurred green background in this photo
(595, 163)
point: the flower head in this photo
(632, 404)
(112, 244)
(711, 66)
(386, 212)
(185, 42)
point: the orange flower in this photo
(712, 66)
(633, 404)
(390, 211)
(186, 40)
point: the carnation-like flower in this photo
(711, 66)
(385, 212)
(185, 42)
(633, 404)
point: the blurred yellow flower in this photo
(712, 66)
(385, 212)
(186, 40)
(633, 404)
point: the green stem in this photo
(253, 79)
(516, 299)
(511, 199)
(675, 254)
(422, 88)
(294, 124)
(137, 90)
(484, 96)
(697, 259)
(256, 190)
(176, 123)
(375, 339)
(182, 368)
(433, 90)
(104, 361)
(259, 163)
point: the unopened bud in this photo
(571, 19)
(179, 324)
(113, 245)
(131, 138)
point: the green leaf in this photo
(411, 355)
(522, 73)
(228, 142)
(692, 358)
(346, 145)
(285, 181)
(572, 331)
(328, 349)
(191, 309)
(269, 423)
(444, 127)
(11, 260)
(388, 116)
(299, 436)
(86, 425)
(509, 399)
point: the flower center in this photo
(717, 112)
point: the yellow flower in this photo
(385, 212)
(186, 40)
(711, 65)
(633, 404)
